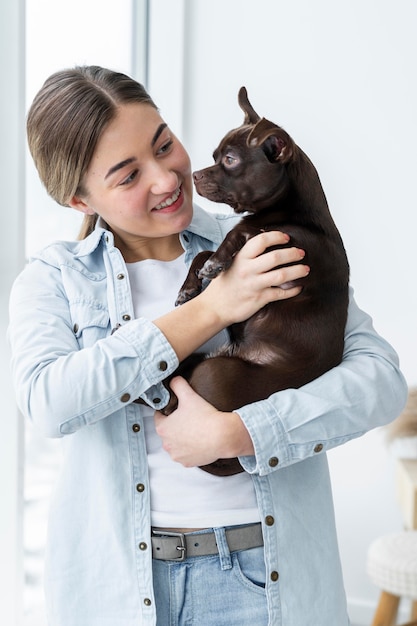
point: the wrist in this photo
(236, 440)
(216, 316)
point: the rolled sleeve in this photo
(365, 391)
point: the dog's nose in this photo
(198, 175)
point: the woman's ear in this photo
(77, 203)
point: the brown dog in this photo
(261, 172)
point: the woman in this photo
(138, 533)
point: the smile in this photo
(169, 201)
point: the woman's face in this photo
(139, 182)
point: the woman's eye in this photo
(130, 178)
(165, 147)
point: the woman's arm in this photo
(365, 391)
(62, 386)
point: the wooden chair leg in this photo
(387, 609)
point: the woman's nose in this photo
(164, 180)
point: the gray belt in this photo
(173, 546)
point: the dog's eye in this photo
(230, 160)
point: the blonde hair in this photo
(65, 122)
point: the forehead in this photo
(139, 118)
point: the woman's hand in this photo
(256, 278)
(197, 433)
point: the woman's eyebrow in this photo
(119, 166)
(158, 132)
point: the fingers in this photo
(280, 276)
(282, 256)
(258, 244)
(180, 386)
(270, 263)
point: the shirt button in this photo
(156, 400)
(143, 545)
(140, 487)
(120, 276)
(273, 461)
(147, 602)
(318, 447)
(269, 520)
(274, 576)
(162, 366)
(75, 328)
(125, 397)
(126, 317)
(136, 428)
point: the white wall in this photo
(340, 77)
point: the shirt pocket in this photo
(90, 322)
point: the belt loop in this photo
(223, 546)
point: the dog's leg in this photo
(222, 259)
(193, 284)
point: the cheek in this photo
(184, 163)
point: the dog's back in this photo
(303, 336)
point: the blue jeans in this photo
(227, 589)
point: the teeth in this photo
(169, 201)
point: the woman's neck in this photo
(162, 249)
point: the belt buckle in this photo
(182, 548)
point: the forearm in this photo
(62, 388)
(189, 326)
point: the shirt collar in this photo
(203, 224)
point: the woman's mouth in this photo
(169, 203)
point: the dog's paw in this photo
(187, 294)
(212, 268)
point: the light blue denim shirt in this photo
(76, 380)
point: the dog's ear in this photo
(251, 117)
(275, 142)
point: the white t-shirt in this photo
(184, 497)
